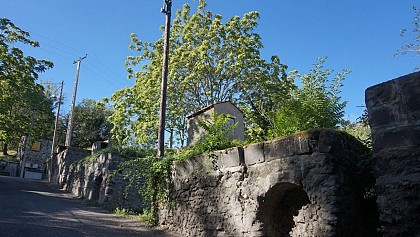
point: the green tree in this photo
(90, 123)
(23, 102)
(210, 61)
(316, 104)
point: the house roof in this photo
(210, 107)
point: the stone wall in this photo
(97, 180)
(309, 184)
(394, 116)
(37, 154)
(9, 168)
(59, 165)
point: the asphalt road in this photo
(36, 209)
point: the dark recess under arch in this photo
(97, 188)
(278, 206)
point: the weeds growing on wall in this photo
(362, 132)
(123, 151)
(215, 137)
(122, 212)
(146, 216)
(150, 175)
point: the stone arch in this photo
(278, 207)
(97, 184)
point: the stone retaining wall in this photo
(9, 168)
(97, 180)
(394, 116)
(309, 184)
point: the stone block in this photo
(330, 142)
(383, 116)
(254, 154)
(393, 163)
(231, 157)
(287, 146)
(407, 136)
(384, 93)
(410, 89)
(186, 168)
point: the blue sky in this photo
(358, 35)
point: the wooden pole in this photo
(162, 117)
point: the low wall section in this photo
(309, 184)
(96, 180)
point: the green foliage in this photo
(146, 216)
(150, 175)
(10, 157)
(90, 123)
(128, 152)
(216, 137)
(210, 61)
(123, 212)
(316, 104)
(361, 130)
(24, 106)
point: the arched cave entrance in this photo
(96, 188)
(278, 206)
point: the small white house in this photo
(225, 107)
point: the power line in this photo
(65, 51)
(55, 53)
(120, 19)
(104, 66)
(57, 42)
(100, 70)
(105, 26)
(109, 81)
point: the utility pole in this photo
(161, 134)
(27, 144)
(56, 120)
(70, 125)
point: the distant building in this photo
(225, 107)
(37, 154)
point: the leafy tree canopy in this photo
(210, 61)
(23, 102)
(316, 104)
(90, 123)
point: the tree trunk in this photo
(5, 149)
